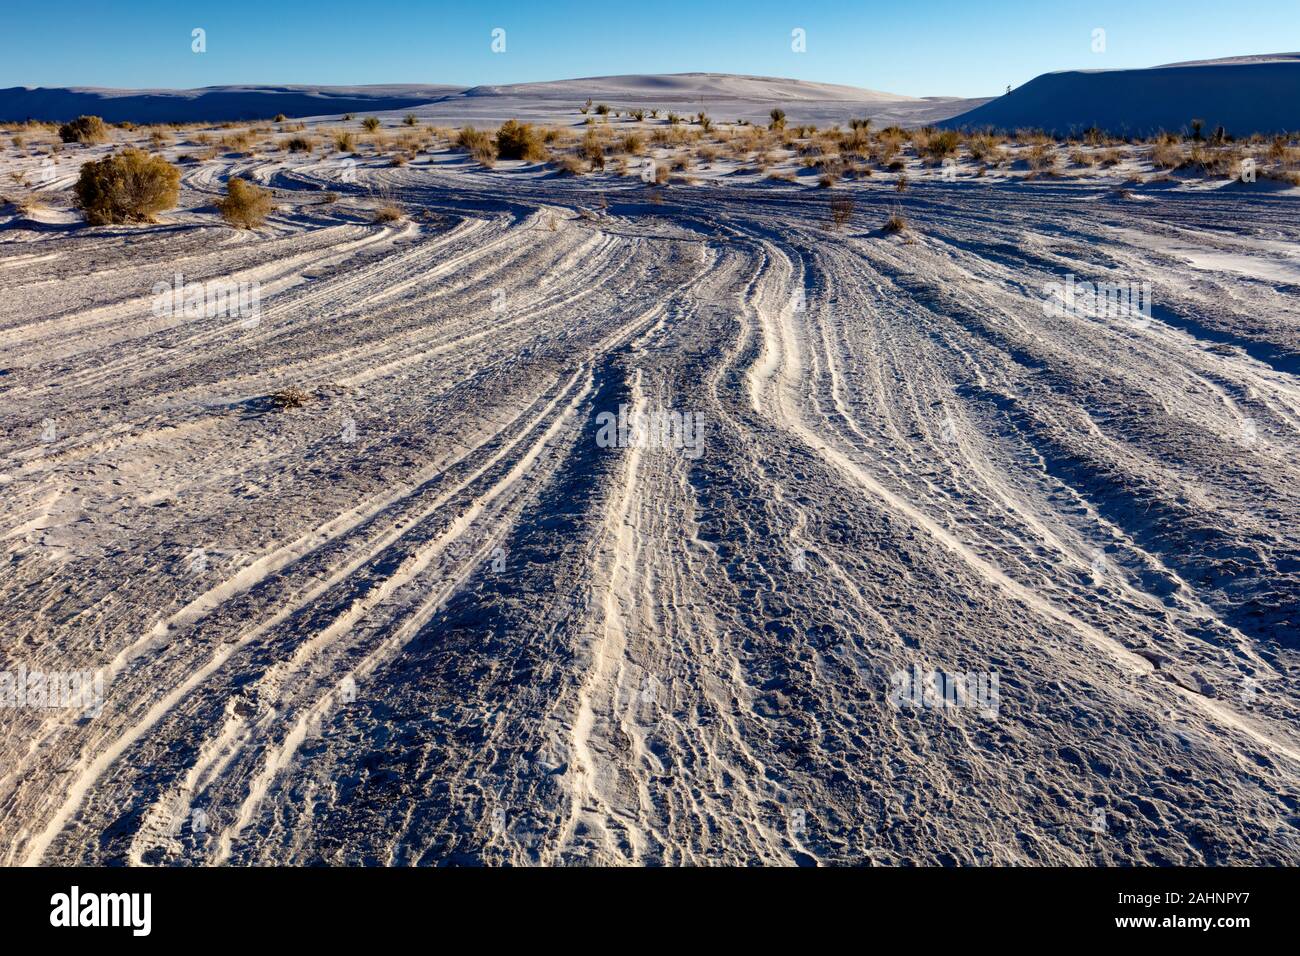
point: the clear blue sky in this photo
(916, 47)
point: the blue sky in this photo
(916, 47)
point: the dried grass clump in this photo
(894, 224)
(345, 142)
(478, 143)
(84, 129)
(841, 211)
(298, 144)
(1042, 157)
(370, 124)
(290, 397)
(517, 140)
(246, 206)
(940, 146)
(389, 212)
(568, 165)
(1167, 155)
(129, 186)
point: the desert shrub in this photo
(569, 166)
(246, 206)
(1110, 157)
(592, 150)
(389, 212)
(345, 142)
(290, 397)
(516, 140)
(349, 117)
(399, 159)
(702, 119)
(1167, 156)
(1042, 158)
(901, 185)
(827, 180)
(279, 118)
(674, 119)
(895, 223)
(940, 146)
(637, 115)
(632, 143)
(370, 124)
(778, 119)
(602, 109)
(298, 144)
(410, 119)
(841, 210)
(84, 129)
(129, 186)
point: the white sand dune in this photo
(723, 96)
(1247, 94)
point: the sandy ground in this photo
(433, 616)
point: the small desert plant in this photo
(410, 119)
(568, 166)
(1042, 158)
(1167, 156)
(632, 144)
(345, 142)
(349, 117)
(778, 119)
(516, 140)
(279, 118)
(290, 397)
(370, 124)
(298, 144)
(894, 224)
(942, 145)
(901, 185)
(129, 186)
(246, 206)
(637, 115)
(602, 109)
(84, 129)
(389, 212)
(841, 210)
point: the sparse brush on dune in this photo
(245, 205)
(370, 124)
(389, 212)
(129, 186)
(842, 208)
(345, 142)
(298, 144)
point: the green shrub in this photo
(84, 129)
(517, 140)
(246, 206)
(129, 186)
